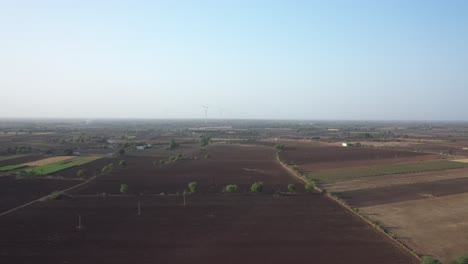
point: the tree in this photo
(121, 151)
(123, 188)
(257, 187)
(279, 147)
(107, 168)
(193, 187)
(310, 186)
(430, 260)
(173, 145)
(461, 260)
(231, 188)
(291, 187)
(123, 163)
(81, 173)
(205, 140)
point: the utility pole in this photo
(79, 223)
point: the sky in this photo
(315, 60)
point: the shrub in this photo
(291, 187)
(207, 156)
(123, 163)
(231, 188)
(55, 195)
(279, 147)
(257, 187)
(461, 260)
(121, 151)
(310, 186)
(204, 141)
(81, 173)
(123, 188)
(108, 167)
(193, 187)
(430, 260)
(173, 145)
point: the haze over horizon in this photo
(314, 60)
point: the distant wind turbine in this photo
(206, 113)
(221, 110)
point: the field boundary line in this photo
(47, 196)
(397, 242)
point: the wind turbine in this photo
(221, 112)
(206, 113)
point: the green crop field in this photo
(60, 165)
(11, 167)
(332, 175)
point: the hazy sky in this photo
(268, 59)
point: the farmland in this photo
(228, 164)
(329, 157)
(11, 167)
(47, 161)
(282, 223)
(57, 166)
(429, 226)
(331, 175)
(206, 230)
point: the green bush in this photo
(310, 186)
(257, 187)
(279, 147)
(123, 188)
(207, 156)
(204, 141)
(430, 260)
(123, 163)
(231, 188)
(108, 167)
(461, 260)
(173, 145)
(291, 187)
(193, 187)
(81, 173)
(55, 195)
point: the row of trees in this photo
(430, 260)
(256, 187)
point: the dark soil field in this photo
(14, 192)
(210, 229)
(20, 160)
(228, 164)
(399, 193)
(313, 158)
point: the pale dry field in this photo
(395, 179)
(434, 226)
(48, 160)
